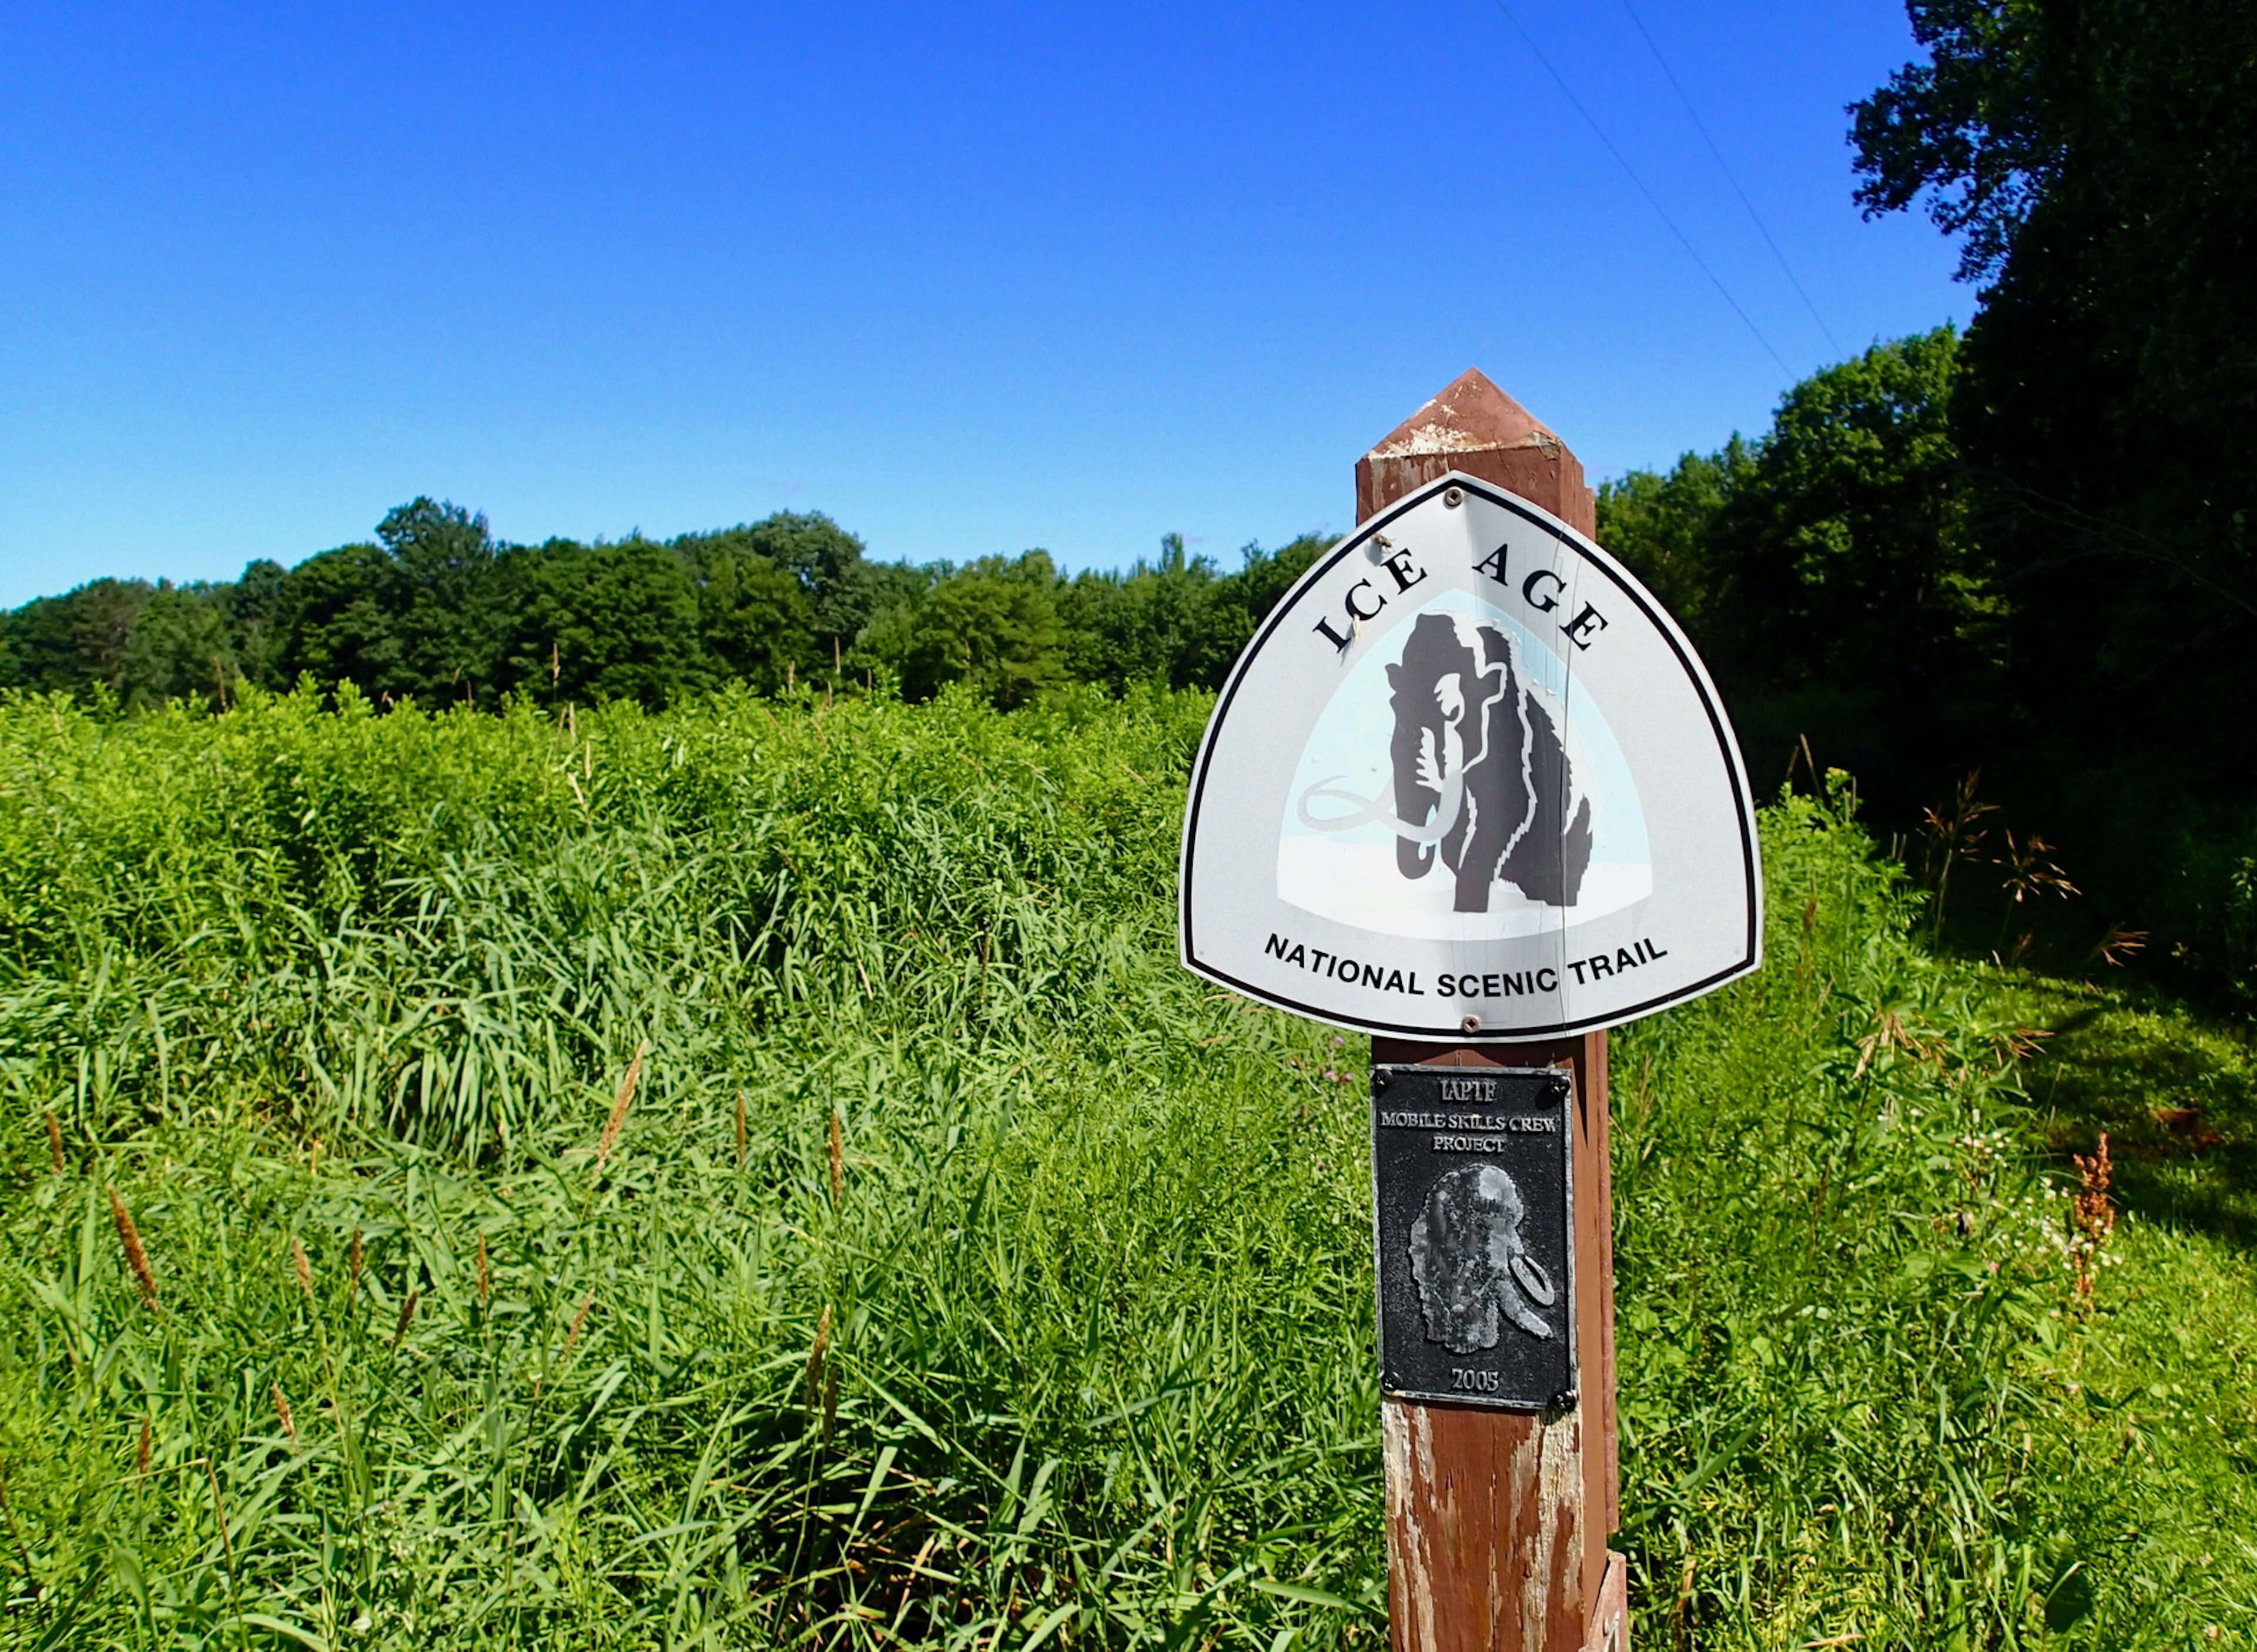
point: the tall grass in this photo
(755, 1175)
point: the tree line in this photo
(1828, 568)
(1841, 571)
(435, 611)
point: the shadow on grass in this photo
(2175, 1092)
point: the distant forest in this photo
(1838, 571)
(436, 610)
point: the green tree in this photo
(1828, 574)
(451, 632)
(414, 614)
(756, 620)
(75, 643)
(257, 621)
(1172, 621)
(608, 622)
(2100, 159)
(342, 611)
(178, 649)
(1265, 577)
(1842, 554)
(992, 625)
(1661, 526)
(827, 561)
(437, 609)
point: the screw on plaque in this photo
(1471, 1024)
(1378, 1079)
(1453, 497)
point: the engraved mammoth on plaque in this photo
(1473, 1271)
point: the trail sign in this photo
(1470, 780)
(1469, 789)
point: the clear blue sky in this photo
(971, 279)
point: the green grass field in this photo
(957, 1271)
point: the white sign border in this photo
(1751, 956)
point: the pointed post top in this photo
(1468, 414)
(1472, 427)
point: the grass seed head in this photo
(141, 1455)
(2091, 1215)
(303, 1267)
(55, 1142)
(579, 1320)
(407, 1313)
(485, 1274)
(619, 1105)
(815, 1358)
(352, 1283)
(282, 1410)
(838, 1160)
(136, 1258)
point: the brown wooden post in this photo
(1497, 1521)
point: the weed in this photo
(2093, 1219)
(1951, 836)
(136, 1258)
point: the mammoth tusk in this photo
(1380, 809)
(1539, 1287)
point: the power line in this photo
(1725, 168)
(1660, 211)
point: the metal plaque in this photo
(1473, 1211)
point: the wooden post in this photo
(1497, 1521)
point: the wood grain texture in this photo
(1484, 1529)
(1497, 1521)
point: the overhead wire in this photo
(1631, 172)
(1730, 178)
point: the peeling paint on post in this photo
(1473, 426)
(1497, 1521)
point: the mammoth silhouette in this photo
(1482, 777)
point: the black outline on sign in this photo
(1751, 956)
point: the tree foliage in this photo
(2100, 158)
(436, 611)
(992, 625)
(1826, 570)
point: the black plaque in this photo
(1474, 1206)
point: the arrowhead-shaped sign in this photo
(1470, 780)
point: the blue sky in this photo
(970, 278)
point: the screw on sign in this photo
(1470, 790)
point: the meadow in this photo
(755, 1175)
